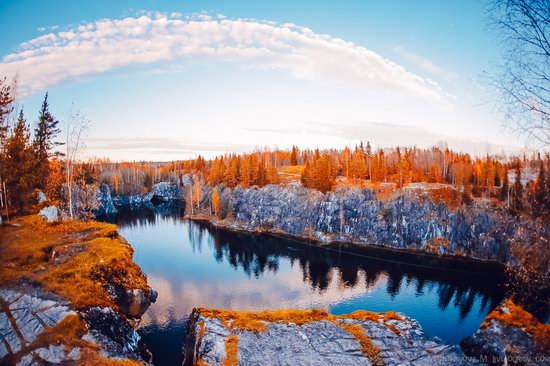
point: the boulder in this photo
(116, 335)
(312, 337)
(50, 213)
(510, 336)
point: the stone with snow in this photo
(50, 213)
(322, 341)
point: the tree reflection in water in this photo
(260, 253)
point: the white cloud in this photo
(108, 44)
(425, 63)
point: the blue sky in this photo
(167, 80)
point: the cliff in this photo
(410, 219)
(312, 337)
(70, 293)
(407, 220)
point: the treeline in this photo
(37, 161)
(481, 177)
(27, 160)
(487, 177)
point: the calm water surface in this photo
(193, 265)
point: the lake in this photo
(194, 265)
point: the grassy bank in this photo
(75, 261)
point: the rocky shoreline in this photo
(70, 294)
(412, 219)
(314, 337)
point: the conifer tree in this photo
(505, 187)
(368, 153)
(19, 165)
(6, 107)
(540, 194)
(516, 204)
(44, 141)
(294, 156)
(261, 175)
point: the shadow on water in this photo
(194, 264)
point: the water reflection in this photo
(192, 264)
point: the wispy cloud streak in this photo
(110, 44)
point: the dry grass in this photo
(368, 348)
(257, 321)
(231, 351)
(448, 195)
(291, 169)
(73, 260)
(518, 317)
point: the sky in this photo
(164, 80)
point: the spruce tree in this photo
(540, 195)
(6, 107)
(516, 204)
(294, 156)
(505, 187)
(20, 179)
(44, 142)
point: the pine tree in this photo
(6, 101)
(19, 165)
(505, 187)
(540, 194)
(6, 107)
(369, 160)
(232, 172)
(44, 141)
(294, 156)
(306, 178)
(273, 175)
(516, 204)
(261, 175)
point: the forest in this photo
(44, 161)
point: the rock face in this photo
(312, 337)
(408, 220)
(510, 335)
(106, 204)
(23, 318)
(116, 336)
(161, 192)
(26, 320)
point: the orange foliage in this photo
(515, 316)
(368, 348)
(73, 259)
(231, 351)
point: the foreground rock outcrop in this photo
(39, 328)
(510, 335)
(312, 337)
(70, 294)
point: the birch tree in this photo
(77, 126)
